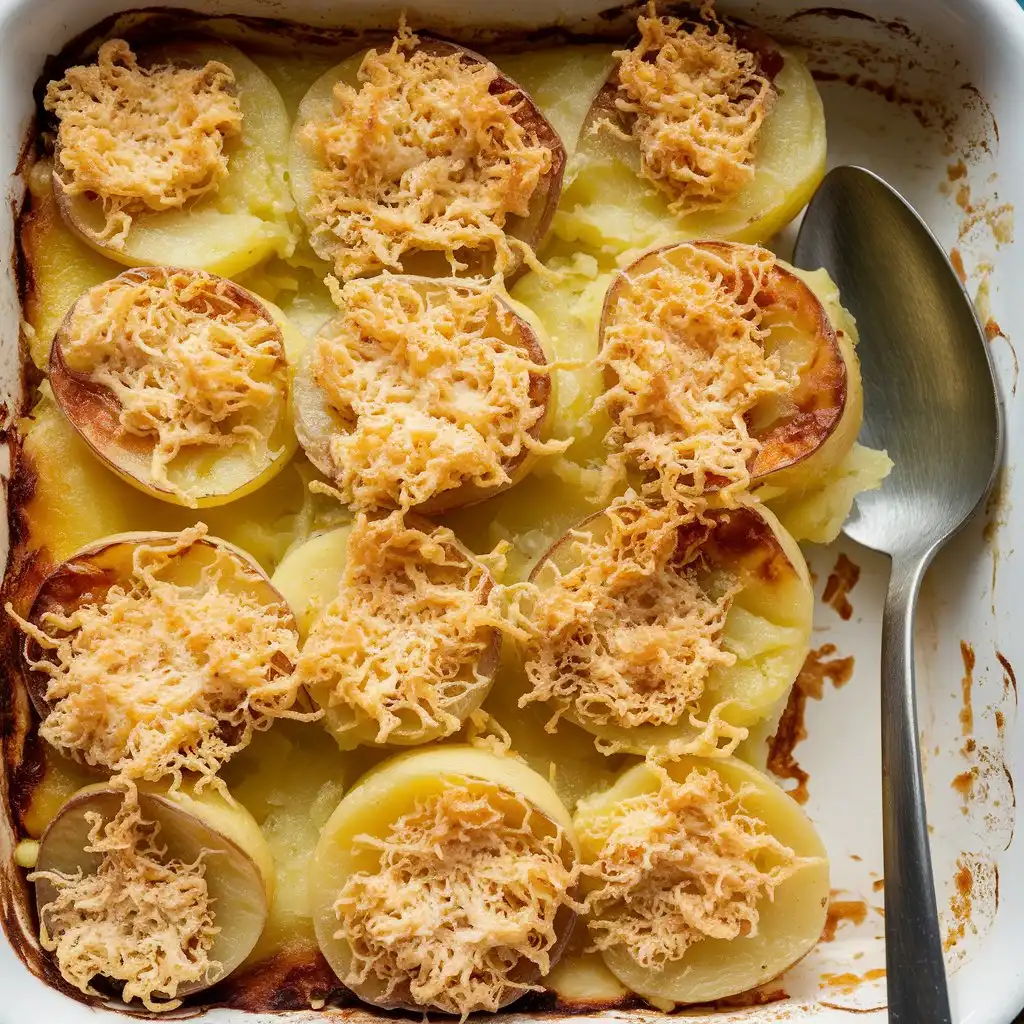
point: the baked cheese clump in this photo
(683, 344)
(680, 865)
(466, 894)
(188, 363)
(138, 918)
(697, 102)
(629, 634)
(432, 389)
(142, 139)
(427, 154)
(159, 678)
(404, 636)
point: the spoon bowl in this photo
(930, 399)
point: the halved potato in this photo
(244, 220)
(199, 475)
(788, 925)
(767, 624)
(393, 789)
(317, 420)
(239, 869)
(609, 207)
(816, 418)
(311, 577)
(86, 577)
(317, 106)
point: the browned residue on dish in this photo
(843, 578)
(954, 172)
(819, 666)
(878, 884)
(288, 980)
(964, 785)
(848, 982)
(966, 685)
(1009, 676)
(960, 903)
(957, 260)
(839, 911)
(987, 213)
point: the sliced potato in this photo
(310, 577)
(788, 925)
(201, 475)
(239, 867)
(817, 417)
(767, 626)
(245, 220)
(393, 789)
(317, 421)
(317, 106)
(610, 208)
(86, 577)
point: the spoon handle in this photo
(915, 971)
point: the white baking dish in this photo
(911, 90)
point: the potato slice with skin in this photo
(310, 578)
(240, 870)
(788, 926)
(813, 419)
(609, 207)
(206, 475)
(318, 105)
(316, 420)
(767, 627)
(87, 576)
(391, 790)
(245, 220)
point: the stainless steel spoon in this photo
(930, 399)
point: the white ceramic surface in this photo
(911, 91)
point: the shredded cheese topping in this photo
(159, 678)
(679, 865)
(466, 894)
(189, 366)
(697, 103)
(402, 642)
(684, 344)
(629, 634)
(433, 389)
(142, 139)
(138, 918)
(427, 154)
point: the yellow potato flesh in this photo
(248, 217)
(788, 926)
(239, 867)
(394, 788)
(610, 208)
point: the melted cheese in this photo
(679, 865)
(434, 393)
(137, 919)
(628, 635)
(405, 634)
(142, 139)
(422, 156)
(684, 345)
(159, 678)
(188, 365)
(465, 894)
(697, 103)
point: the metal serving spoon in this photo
(930, 399)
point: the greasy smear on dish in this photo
(821, 665)
(841, 912)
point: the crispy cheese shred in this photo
(434, 388)
(684, 346)
(697, 102)
(142, 139)
(189, 364)
(401, 645)
(628, 635)
(679, 865)
(159, 677)
(139, 918)
(466, 894)
(429, 153)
